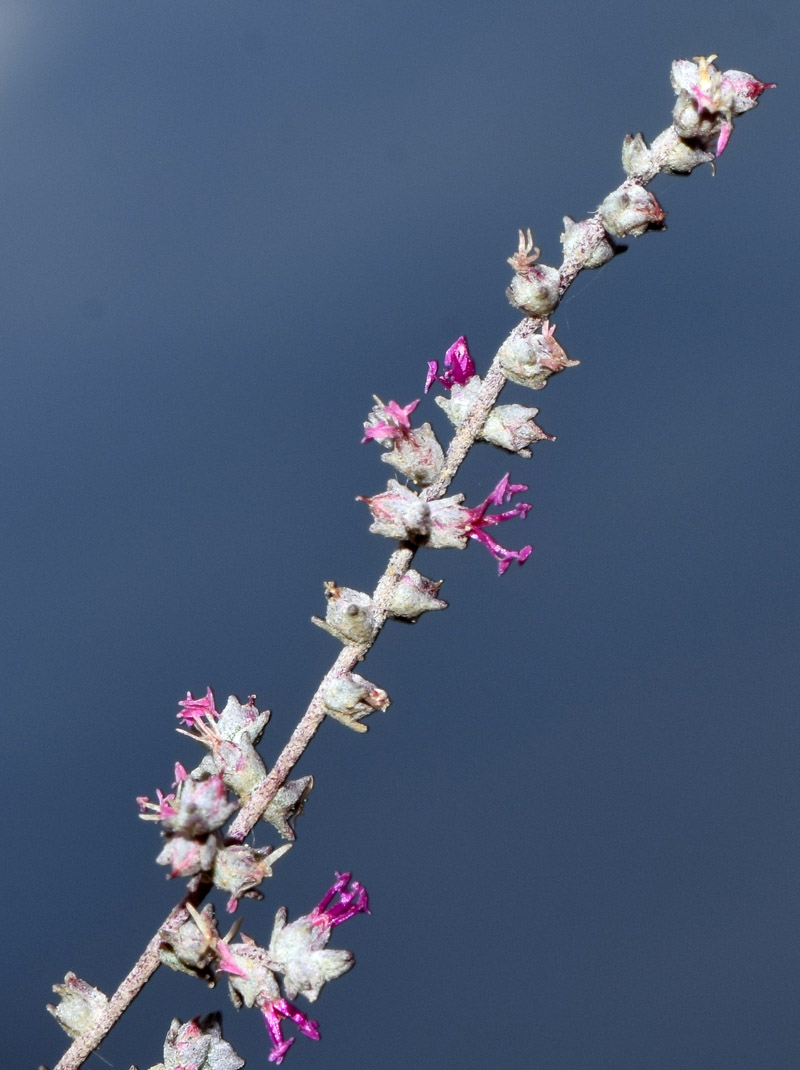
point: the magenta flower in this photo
(389, 421)
(480, 519)
(196, 708)
(276, 1009)
(352, 901)
(161, 810)
(299, 950)
(459, 367)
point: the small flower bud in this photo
(708, 100)
(529, 356)
(350, 616)
(239, 870)
(636, 157)
(461, 400)
(511, 427)
(238, 764)
(417, 455)
(536, 292)
(190, 949)
(199, 807)
(80, 1007)
(743, 90)
(413, 595)
(187, 858)
(682, 158)
(198, 1044)
(631, 210)
(237, 718)
(349, 698)
(535, 287)
(586, 244)
(414, 451)
(287, 805)
(250, 977)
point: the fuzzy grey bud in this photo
(631, 210)
(350, 616)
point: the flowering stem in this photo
(673, 151)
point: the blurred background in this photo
(224, 227)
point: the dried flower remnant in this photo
(534, 289)
(388, 421)
(237, 717)
(481, 519)
(198, 807)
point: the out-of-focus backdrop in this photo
(224, 227)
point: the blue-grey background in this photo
(224, 226)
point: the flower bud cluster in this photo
(352, 616)
(709, 99)
(192, 816)
(298, 953)
(399, 513)
(198, 1045)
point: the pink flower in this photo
(196, 708)
(480, 519)
(276, 1009)
(389, 421)
(299, 950)
(351, 902)
(161, 810)
(399, 513)
(459, 366)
